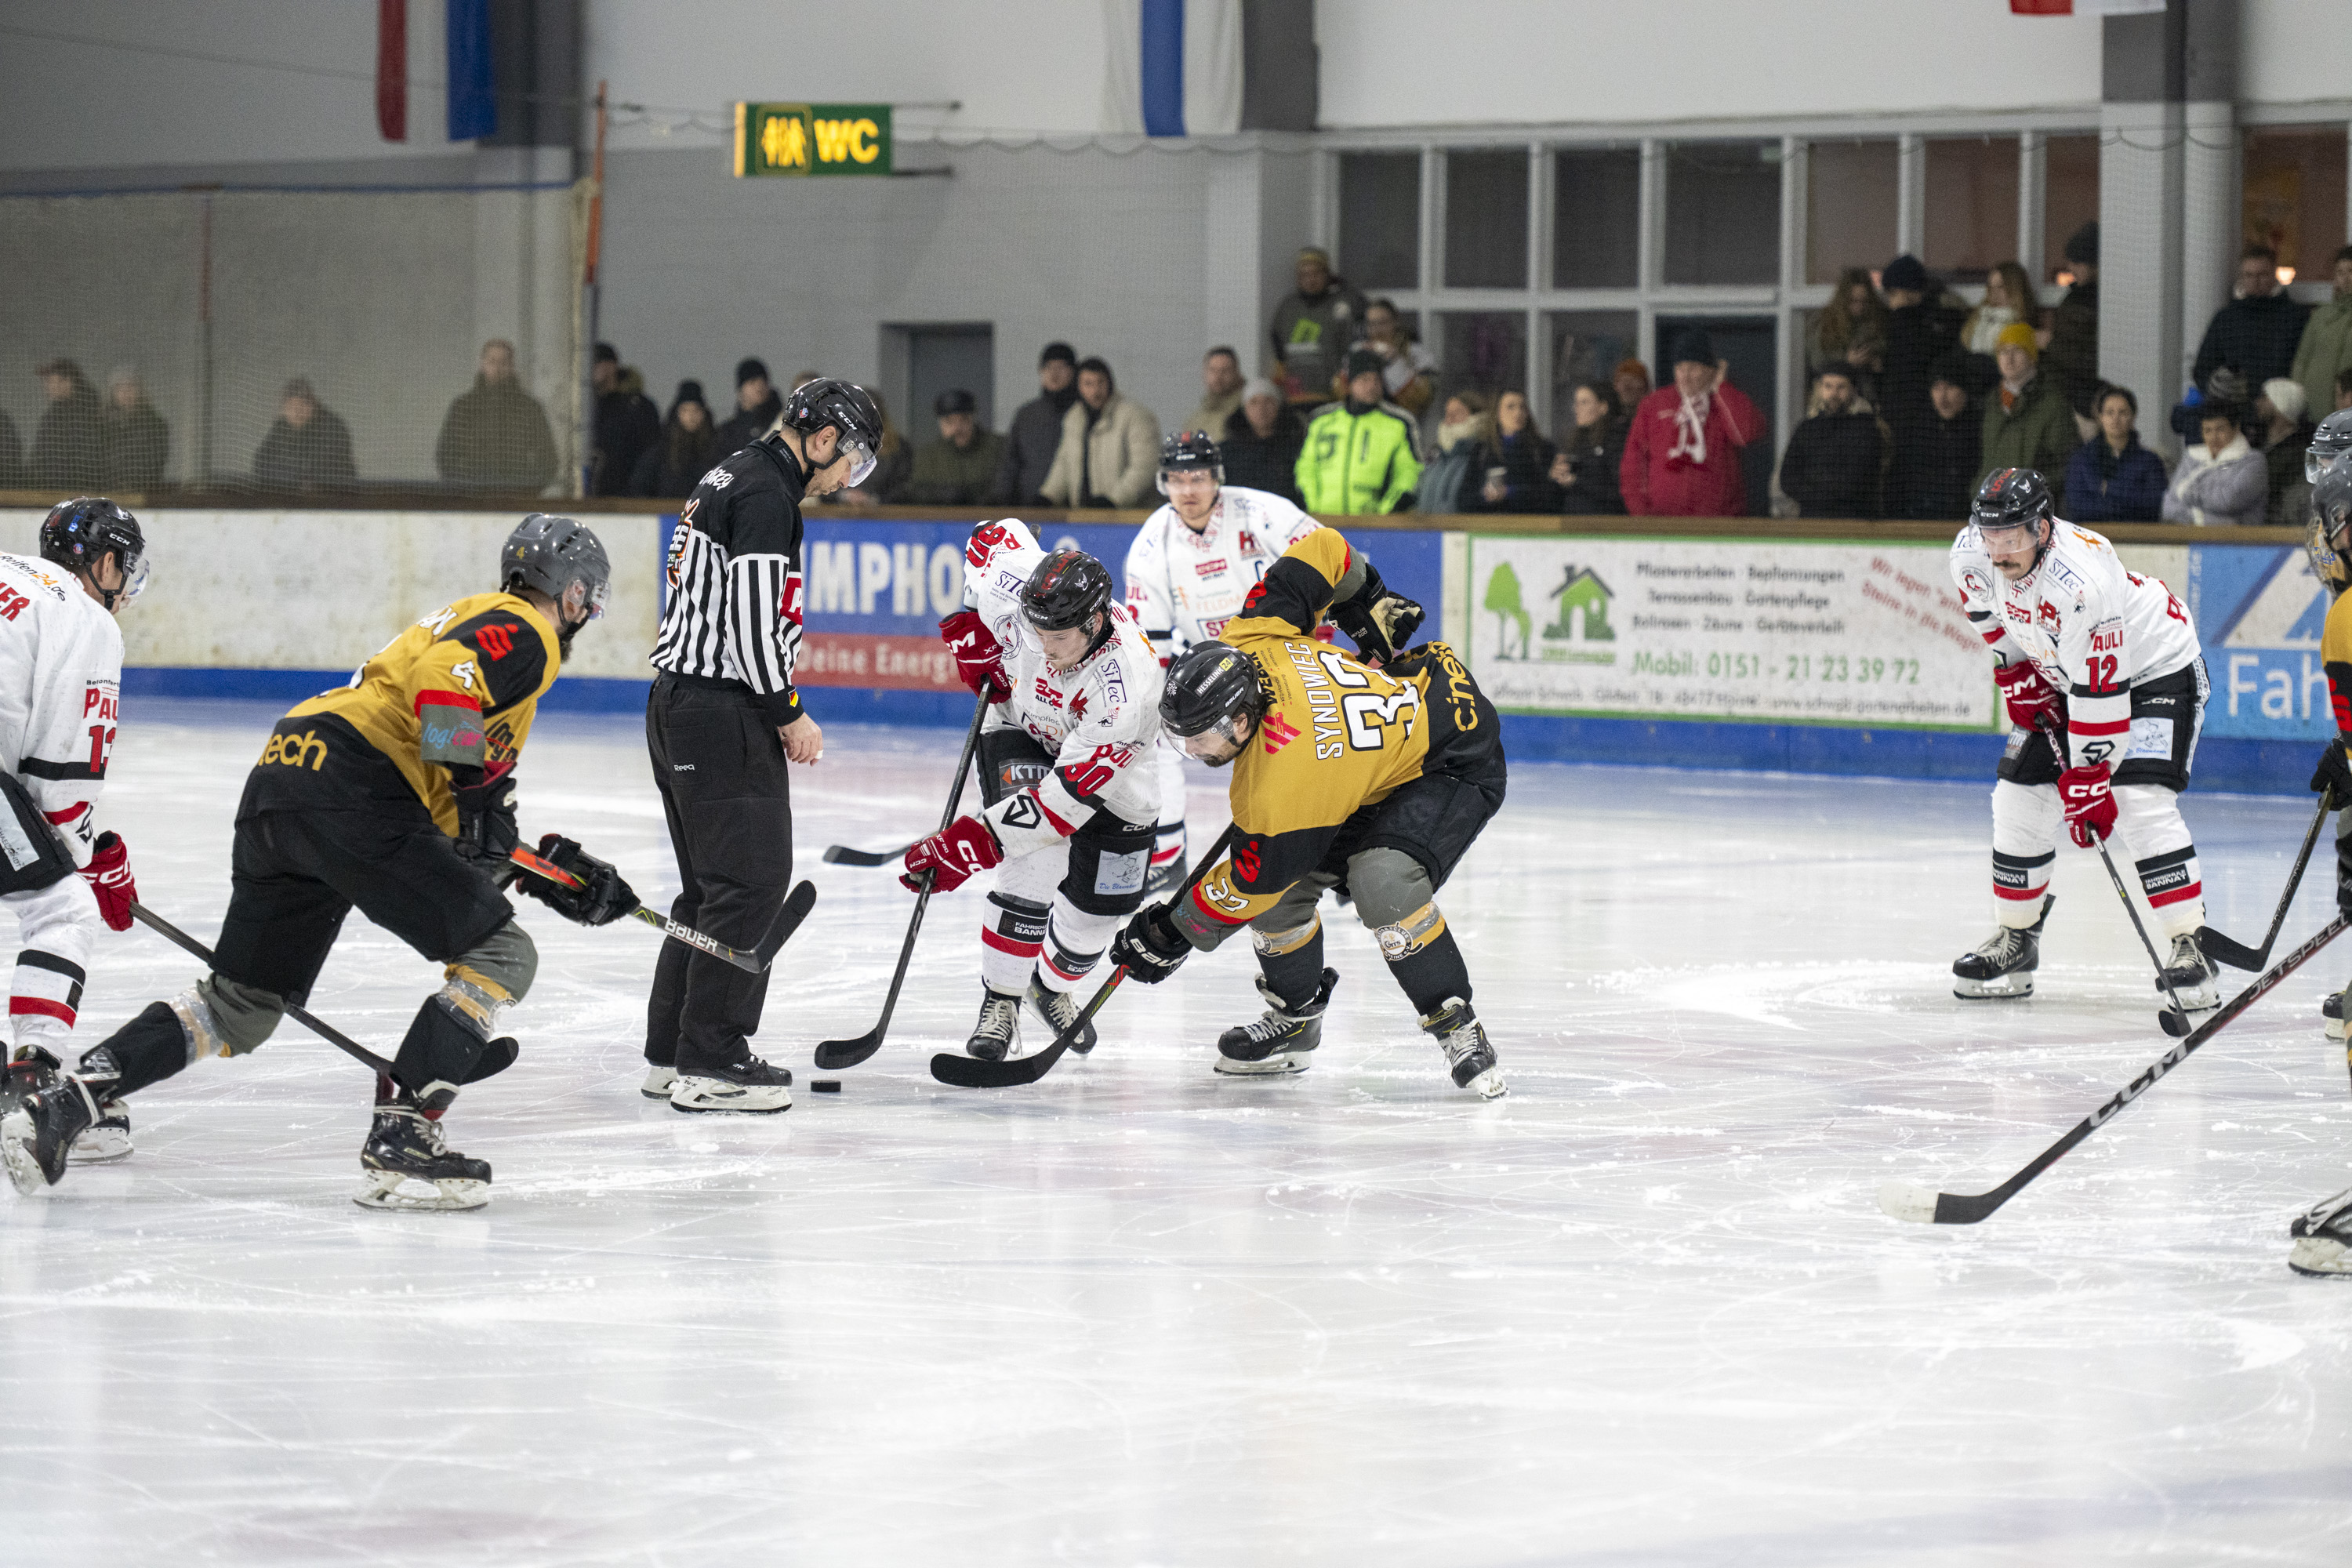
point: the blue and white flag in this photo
(1172, 67)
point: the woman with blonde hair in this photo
(2008, 297)
(1849, 332)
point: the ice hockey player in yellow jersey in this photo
(1375, 771)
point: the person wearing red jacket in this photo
(1681, 455)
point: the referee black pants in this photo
(720, 765)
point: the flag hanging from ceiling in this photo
(472, 109)
(1172, 67)
(2085, 7)
(391, 69)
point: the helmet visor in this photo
(2316, 462)
(597, 594)
(2005, 533)
(134, 575)
(861, 459)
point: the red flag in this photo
(391, 69)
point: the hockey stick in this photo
(971, 1072)
(797, 908)
(833, 1054)
(326, 1032)
(1902, 1200)
(2236, 955)
(2174, 1022)
(842, 854)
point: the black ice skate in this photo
(2003, 967)
(38, 1132)
(30, 1070)
(750, 1085)
(408, 1165)
(2190, 974)
(2331, 1016)
(1467, 1051)
(1280, 1041)
(1166, 878)
(2322, 1239)
(1060, 1010)
(998, 1028)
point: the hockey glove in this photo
(979, 662)
(487, 833)
(108, 876)
(2090, 804)
(2344, 877)
(600, 900)
(2333, 777)
(2025, 694)
(952, 858)
(1149, 948)
(1378, 622)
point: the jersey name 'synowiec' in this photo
(1182, 587)
(60, 693)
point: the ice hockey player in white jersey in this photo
(1069, 787)
(2079, 642)
(1195, 560)
(60, 695)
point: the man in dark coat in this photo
(627, 422)
(1037, 431)
(1261, 441)
(756, 403)
(67, 447)
(1933, 473)
(308, 446)
(2257, 332)
(1919, 332)
(1837, 457)
(496, 436)
(2072, 360)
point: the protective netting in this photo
(290, 342)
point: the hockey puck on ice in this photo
(825, 1085)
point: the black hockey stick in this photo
(2236, 955)
(797, 905)
(834, 1054)
(2175, 1020)
(1923, 1205)
(326, 1032)
(971, 1072)
(842, 854)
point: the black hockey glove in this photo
(602, 897)
(1378, 622)
(2333, 777)
(487, 833)
(1150, 947)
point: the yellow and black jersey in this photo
(2336, 654)
(457, 691)
(1337, 735)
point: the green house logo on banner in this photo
(800, 139)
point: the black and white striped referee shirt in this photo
(735, 585)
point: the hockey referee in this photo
(722, 722)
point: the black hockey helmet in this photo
(1065, 591)
(1190, 449)
(2012, 498)
(79, 534)
(1213, 686)
(550, 553)
(2328, 442)
(2331, 516)
(847, 407)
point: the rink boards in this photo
(1806, 655)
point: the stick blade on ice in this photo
(1908, 1201)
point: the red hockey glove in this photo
(2090, 804)
(979, 661)
(968, 847)
(108, 876)
(2026, 695)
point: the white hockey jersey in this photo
(60, 693)
(1099, 721)
(1182, 587)
(2091, 628)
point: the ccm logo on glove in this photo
(965, 848)
(108, 876)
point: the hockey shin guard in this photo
(148, 1049)
(1422, 956)
(1010, 934)
(2025, 821)
(2148, 820)
(1292, 962)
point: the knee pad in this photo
(1274, 943)
(227, 1017)
(2148, 818)
(2026, 818)
(440, 1051)
(1400, 940)
(1073, 945)
(1389, 887)
(490, 977)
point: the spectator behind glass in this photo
(2325, 351)
(2285, 434)
(1584, 470)
(66, 443)
(757, 404)
(135, 439)
(1261, 442)
(1931, 474)
(959, 468)
(1109, 454)
(2027, 423)
(1835, 465)
(1849, 332)
(1314, 328)
(2223, 481)
(2071, 355)
(2344, 388)
(496, 437)
(1682, 453)
(12, 476)
(1919, 333)
(1516, 463)
(308, 446)
(2257, 331)
(893, 464)
(1036, 430)
(627, 426)
(2112, 478)
(1450, 480)
(1408, 371)
(1631, 383)
(1221, 391)
(1362, 455)
(687, 448)
(2008, 299)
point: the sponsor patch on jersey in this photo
(1212, 568)
(2151, 738)
(1976, 585)
(1114, 684)
(2047, 614)
(1046, 694)
(719, 479)
(2063, 574)
(1118, 874)
(1279, 732)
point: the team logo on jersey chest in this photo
(1211, 568)
(2048, 616)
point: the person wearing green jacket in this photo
(2326, 352)
(2027, 423)
(1363, 455)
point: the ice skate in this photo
(2331, 1016)
(1059, 1009)
(998, 1031)
(1166, 878)
(1467, 1050)
(108, 1138)
(409, 1165)
(750, 1085)
(660, 1079)
(2322, 1239)
(2190, 974)
(1280, 1041)
(29, 1071)
(2003, 967)
(38, 1134)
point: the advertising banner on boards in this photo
(2258, 612)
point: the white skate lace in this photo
(2004, 945)
(998, 1019)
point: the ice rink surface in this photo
(1644, 1312)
